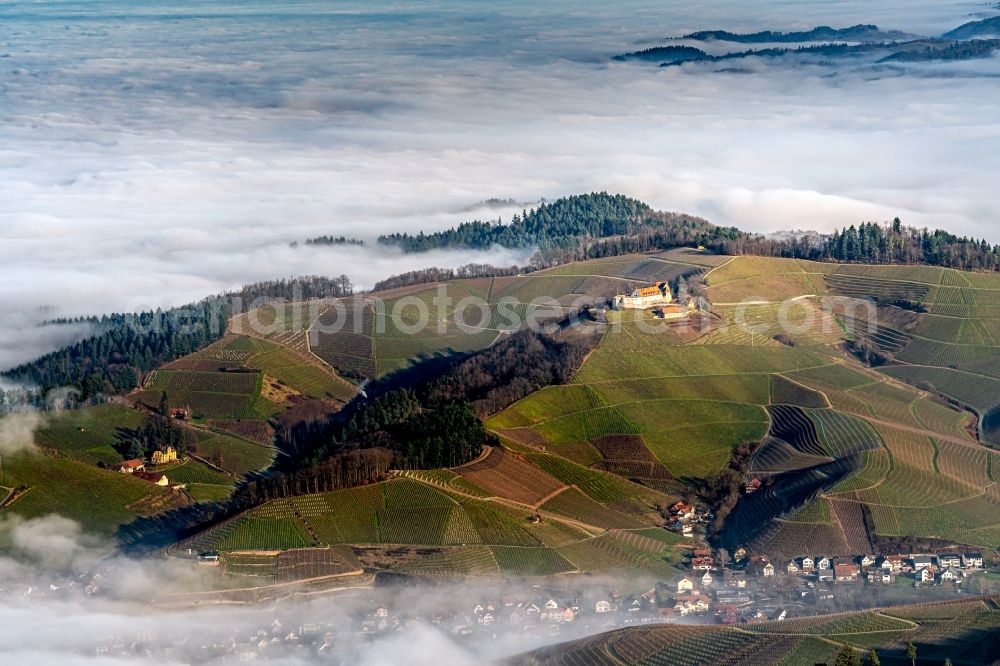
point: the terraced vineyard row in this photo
(211, 395)
(971, 521)
(793, 442)
(445, 479)
(451, 562)
(693, 645)
(574, 504)
(875, 465)
(784, 391)
(536, 288)
(792, 539)
(793, 425)
(844, 435)
(180, 382)
(856, 286)
(522, 562)
(833, 625)
(503, 474)
(775, 456)
(598, 486)
(976, 391)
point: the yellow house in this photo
(163, 457)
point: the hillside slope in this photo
(960, 631)
(847, 455)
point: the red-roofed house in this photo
(682, 510)
(130, 466)
(691, 603)
(846, 573)
(702, 563)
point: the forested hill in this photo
(599, 224)
(560, 223)
(434, 423)
(922, 50)
(822, 33)
(130, 344)
(963, 50)
(894, 243)
(985, 28)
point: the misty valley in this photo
(517, 334)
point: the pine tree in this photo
(847, 657)
(911, 653)
(873, 659)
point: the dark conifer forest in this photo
(598, 225)
(128, 345)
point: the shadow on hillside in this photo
(123, 438)
(788, 491)
(991, 427)
(420, 370)
(150, 533)
(976, 646)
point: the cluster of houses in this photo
(482, 620)
(713, 590)
(137, 467)
(274, 641)
(940, 568)
(550, 615)
(513, 612)
(684, 517)
(729, 592)
(695, 591)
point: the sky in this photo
(153, 152)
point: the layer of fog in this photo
(17, 432)
(151, 155)
(63, 593)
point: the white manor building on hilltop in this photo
(644, 298)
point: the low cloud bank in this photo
(65, 598)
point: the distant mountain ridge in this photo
(822, 33)
(863, 43)
(664, 54)
(962, 50)
(985, 28)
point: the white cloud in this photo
(50, 542)
(17, 432)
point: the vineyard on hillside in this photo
(957, 631)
